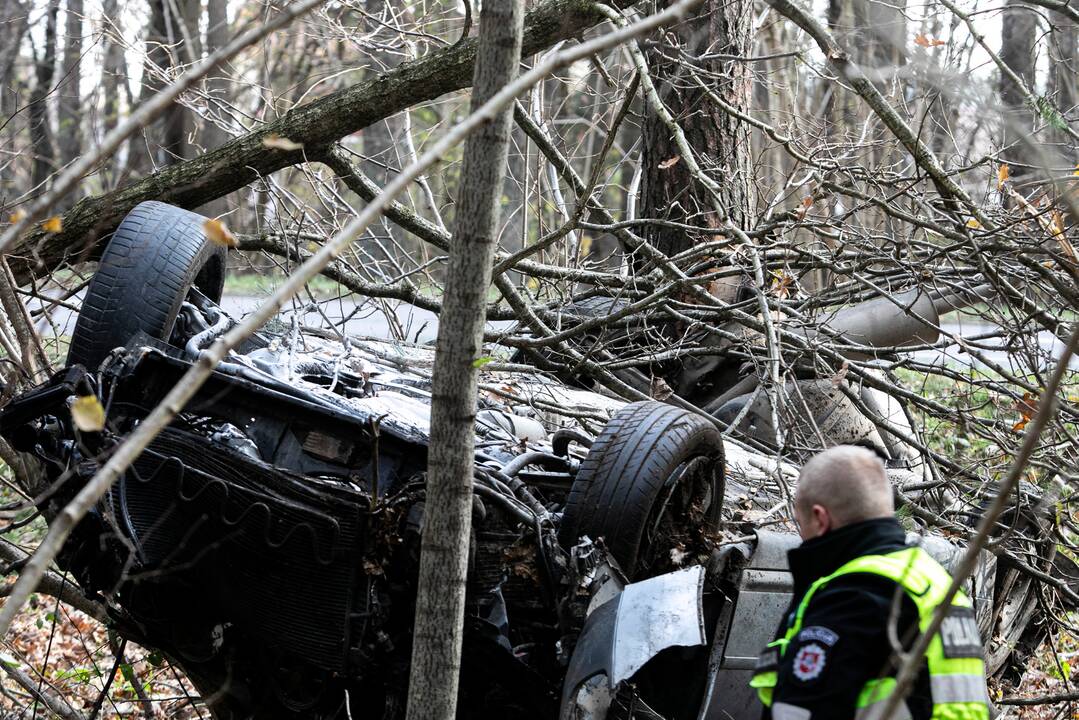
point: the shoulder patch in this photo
(819, 633)
(809, 662)
(959, 634)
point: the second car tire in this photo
(631, 462)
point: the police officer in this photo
(859, 591)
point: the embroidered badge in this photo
(820, 634)
(809, 662)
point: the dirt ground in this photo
(69, 654)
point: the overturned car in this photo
(268, 540)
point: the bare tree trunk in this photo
(68, 138)
(217, 36)
(1019, 29)
(1063, 90)
(668, 191)
(875, 32)
(113, 69)
(165, 142)
(14, 21)
(40, 133)
(436, 654)
(379, 146)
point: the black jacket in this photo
(844, 638)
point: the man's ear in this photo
(823, 518)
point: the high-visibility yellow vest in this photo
(956, 667)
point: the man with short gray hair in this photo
(858, 588)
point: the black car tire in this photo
(155, 256)
(620, 484)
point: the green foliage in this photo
(81, 675)
(1049, 114)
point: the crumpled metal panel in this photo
(656, 614)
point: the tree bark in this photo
(14, 22)
(668, 190)
(212, 136)
(1018, 31)
(438, 629)
(40, 133)
(1063, 90)
(69, 136)
(172, 24)
(114, 74)
(246, 159)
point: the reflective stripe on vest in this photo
(956, 671)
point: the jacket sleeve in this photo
(843, 643)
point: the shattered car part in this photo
(623, 634)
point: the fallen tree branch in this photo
(155, 106)
(316, 125)
(52, 584)
(1063, 7)
(1043, 700)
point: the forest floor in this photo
(144, 685)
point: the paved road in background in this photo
(417, 325)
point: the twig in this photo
(1043, 700)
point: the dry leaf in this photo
(1076, 170)
(17, 217)
(973, 223)
(1026, 407)
(781, 285)
(88, 414)
(1003, 173)
(670, 162)
(927, 42)
(53, 224)
(840, 374)
(277, 142)
(660, 389)
(584, 248)
(803, 209)
(216, 232)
